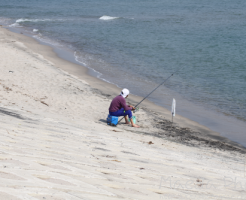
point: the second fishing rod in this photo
(136, 107)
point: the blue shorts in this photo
(121, 112)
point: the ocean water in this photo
(137, 44)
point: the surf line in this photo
(136, 107)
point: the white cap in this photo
(125, 92)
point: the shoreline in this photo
(110, 90)
(55, 143)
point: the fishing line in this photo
(136, 109)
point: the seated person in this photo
(118, 107)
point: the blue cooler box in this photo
(112, 120)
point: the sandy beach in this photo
(55, 143)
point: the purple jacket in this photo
(118, 103)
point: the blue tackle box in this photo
(112, 120)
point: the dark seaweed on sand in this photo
(192, 138)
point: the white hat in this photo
(125, 92)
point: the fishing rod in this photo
(153, 91)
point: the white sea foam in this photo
(105, 17)
(31, 20)
(35, 30)
(77, 59)
(47, 40)
(99, 75)
(15, 25)
(18, 21)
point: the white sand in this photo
(55, 144)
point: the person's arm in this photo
(123, 104)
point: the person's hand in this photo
(132, 107)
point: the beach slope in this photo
(55, 144)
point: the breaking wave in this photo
(31, 20)
(18, 21)
(105, 17)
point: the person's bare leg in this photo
(134, 125)
(126, 118)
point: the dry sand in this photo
(56, 145)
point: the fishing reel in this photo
(136, 109)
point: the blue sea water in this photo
(137, 44)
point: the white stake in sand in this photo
(244, 166)
(173, 109)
